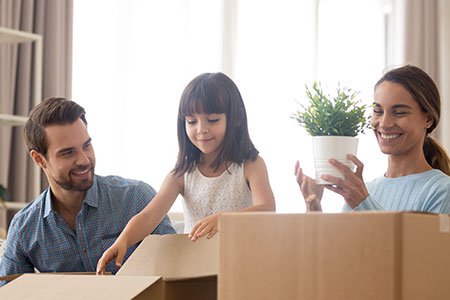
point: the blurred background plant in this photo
(4, 196)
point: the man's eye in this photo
(66, 153)
(401, 113)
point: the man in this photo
(80, 215)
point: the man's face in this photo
(70, 160)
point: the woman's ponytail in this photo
(436, 155)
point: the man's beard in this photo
(80, 186)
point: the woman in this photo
(405, 111)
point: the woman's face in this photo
(399, 123)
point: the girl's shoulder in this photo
(254, 166)
(257, 161)
(174, 181)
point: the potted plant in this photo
(334, 124)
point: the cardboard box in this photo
(63, 286)
(188, 269)
(334, 256)
(168, 267)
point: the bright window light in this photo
(131, 65)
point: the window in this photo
(131, 67)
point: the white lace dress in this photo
(204, 196)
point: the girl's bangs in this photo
(202, 103)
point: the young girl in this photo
(406, 110)
(218, 167)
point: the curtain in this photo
(425, 44)
(421, 35)
(53, 20)
(444, 71)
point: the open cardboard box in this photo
(319, 256)
(63, 286)
(188, 269)
(169, 267)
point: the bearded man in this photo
(80, 214)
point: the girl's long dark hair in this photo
(214, 93)
(423, 89)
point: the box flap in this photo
(14, 276)
(47, 286)
(173, 256)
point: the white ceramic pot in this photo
(337, 147)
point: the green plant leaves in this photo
(344, 115)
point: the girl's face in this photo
(207, 132)
(399, 123)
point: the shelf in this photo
(11, 36)
(12, 120)
(13, 205)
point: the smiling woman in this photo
(406, 110)
(400, 123)
(415, 116)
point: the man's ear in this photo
(39, 159)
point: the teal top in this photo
(427, 192)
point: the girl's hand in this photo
(208, 226)
(117, 250)
(352, 188)
(312, 193)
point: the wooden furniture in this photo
(13, 37)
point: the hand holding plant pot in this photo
(334, 125)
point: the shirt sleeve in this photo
(14, 260)
(438, 200)
(147, 193)
(367, 204)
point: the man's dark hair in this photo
(51, 111)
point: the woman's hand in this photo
(352, 188)
(117, 250)
(312, 192)
(208, 226)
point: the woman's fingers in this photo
(359, 165)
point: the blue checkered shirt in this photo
(40, 238)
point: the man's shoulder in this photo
(32, 208)
(116, 181)
(30, 214)
(121, 185)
